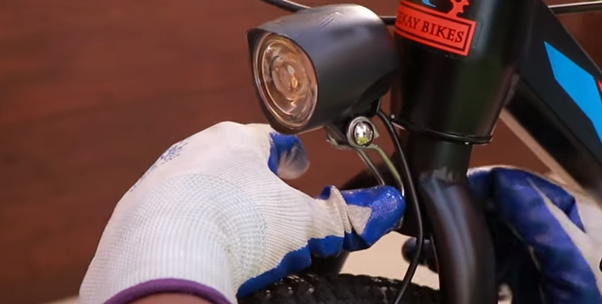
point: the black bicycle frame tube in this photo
(458, 65)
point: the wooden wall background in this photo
(91, 92)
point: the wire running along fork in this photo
(361, 133)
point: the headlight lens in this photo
(286, 80)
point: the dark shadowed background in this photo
(91, 92)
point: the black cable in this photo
(579, 7)
(286, 5)
(410, 192)
(558, 9)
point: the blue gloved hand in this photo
(560, 228)
(213, 218)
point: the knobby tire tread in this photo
(339, 289)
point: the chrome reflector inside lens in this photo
(286, 80)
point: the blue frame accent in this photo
(581, 86)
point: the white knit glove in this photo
(211, 218)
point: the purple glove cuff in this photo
(163, 286)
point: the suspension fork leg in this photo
(458, 66)
(456, 223)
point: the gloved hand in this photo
(212, 218)
(561, 229)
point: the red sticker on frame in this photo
(443, 31)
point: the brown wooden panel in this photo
(91, 92)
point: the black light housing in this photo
(321, 65)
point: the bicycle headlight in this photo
(286, 80)
(319, 65)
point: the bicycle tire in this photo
(339, 289)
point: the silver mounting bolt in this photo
(363, 133)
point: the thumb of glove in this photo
(335, 221)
